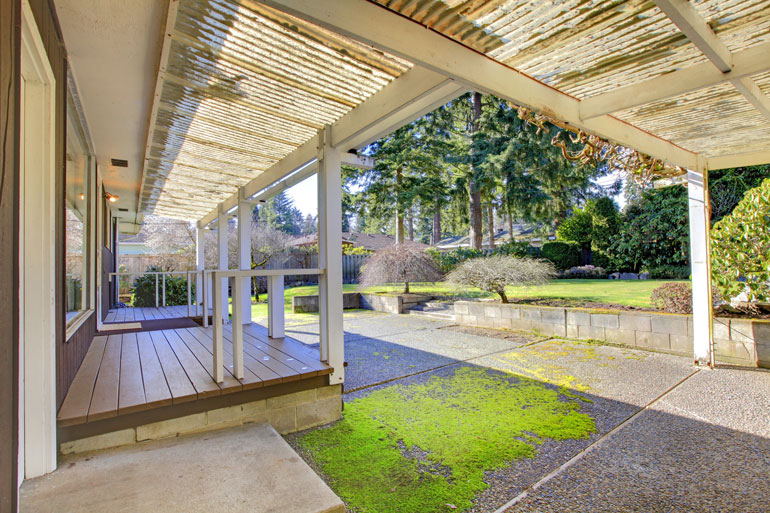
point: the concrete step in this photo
(439, 313)
(244, 469)
(433, 306)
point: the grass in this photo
(425, 447)
(630, 293)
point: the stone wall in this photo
(737, 341)
(382, 303)
(308, 304)
(286, 413)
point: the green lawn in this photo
(630, 293)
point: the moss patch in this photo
(425, 446)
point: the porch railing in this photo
(160, 285)
(275, 309)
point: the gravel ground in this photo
(703, 446)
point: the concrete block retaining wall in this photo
(737, 341)
(308, 304)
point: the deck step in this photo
(434, 310)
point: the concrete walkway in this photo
(670, 437)
(245, 469)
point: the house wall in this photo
(10, 32)
(736, 341)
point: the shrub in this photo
(448, 260)
(600, 259)
(669, 272)
(176, 289)
(400, 263)
(496, 272)
(515, 248)
(562, 254)
(585, 272)
(740, 252)
(673, 297)
(677, 298)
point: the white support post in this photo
(219, 306)
(244, 259)
(200, 264)
(222, 260)
(164, 288)
(238, 328)
(117, 262)
(275, 304)
(206, 293)
(700, 250)
(189, 294)
(330, 256)
(156, 289)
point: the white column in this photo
(330, 256)
(244, 257)
(222, 261)
(275, 306)
(697, 188)
(200, 265)
(117, 260)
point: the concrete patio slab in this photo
(245, 469)
(704, 446)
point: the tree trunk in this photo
(502, 295)
(436, 224)
(510, 226)
(410, 224)
(406, 287)
(399, 209)
(491, 226)
(474, 193)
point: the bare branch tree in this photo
(494, 273)
(400, 263)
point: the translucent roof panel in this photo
(244, 86)
(587, 47)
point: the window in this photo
(77, 241)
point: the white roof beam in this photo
(384, 29)
(746, 63)
(684, 16)
(406, 98)
(739, 160)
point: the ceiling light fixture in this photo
(110, 197)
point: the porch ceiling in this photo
(242, 86)
(590, 48)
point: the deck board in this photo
(127, 373)
(181, 388)
(104, 403)
(131, 387)
(206, 358)
(204, 385)
(74, 409)
(156, 389)
(250, 379)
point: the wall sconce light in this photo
(82, 196)
(110, 197)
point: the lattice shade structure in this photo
(243, 86)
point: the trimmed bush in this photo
(496, 272)
(600, 259)
(448, 260)
(669, 272)
(677, 298)
(399, 263)
(563, 255)
(176, 289)
(584, 272)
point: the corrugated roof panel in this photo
(243, 87)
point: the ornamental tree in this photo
(400, 263)
(494, 273)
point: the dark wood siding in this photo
(70, 355)
(10, 61)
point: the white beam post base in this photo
(222, 249)
(702, 306)
(330, 256)
(244, 259)
(275, 305)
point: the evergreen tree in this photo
(280, 213)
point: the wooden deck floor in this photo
(128, 373)
(146, 314)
